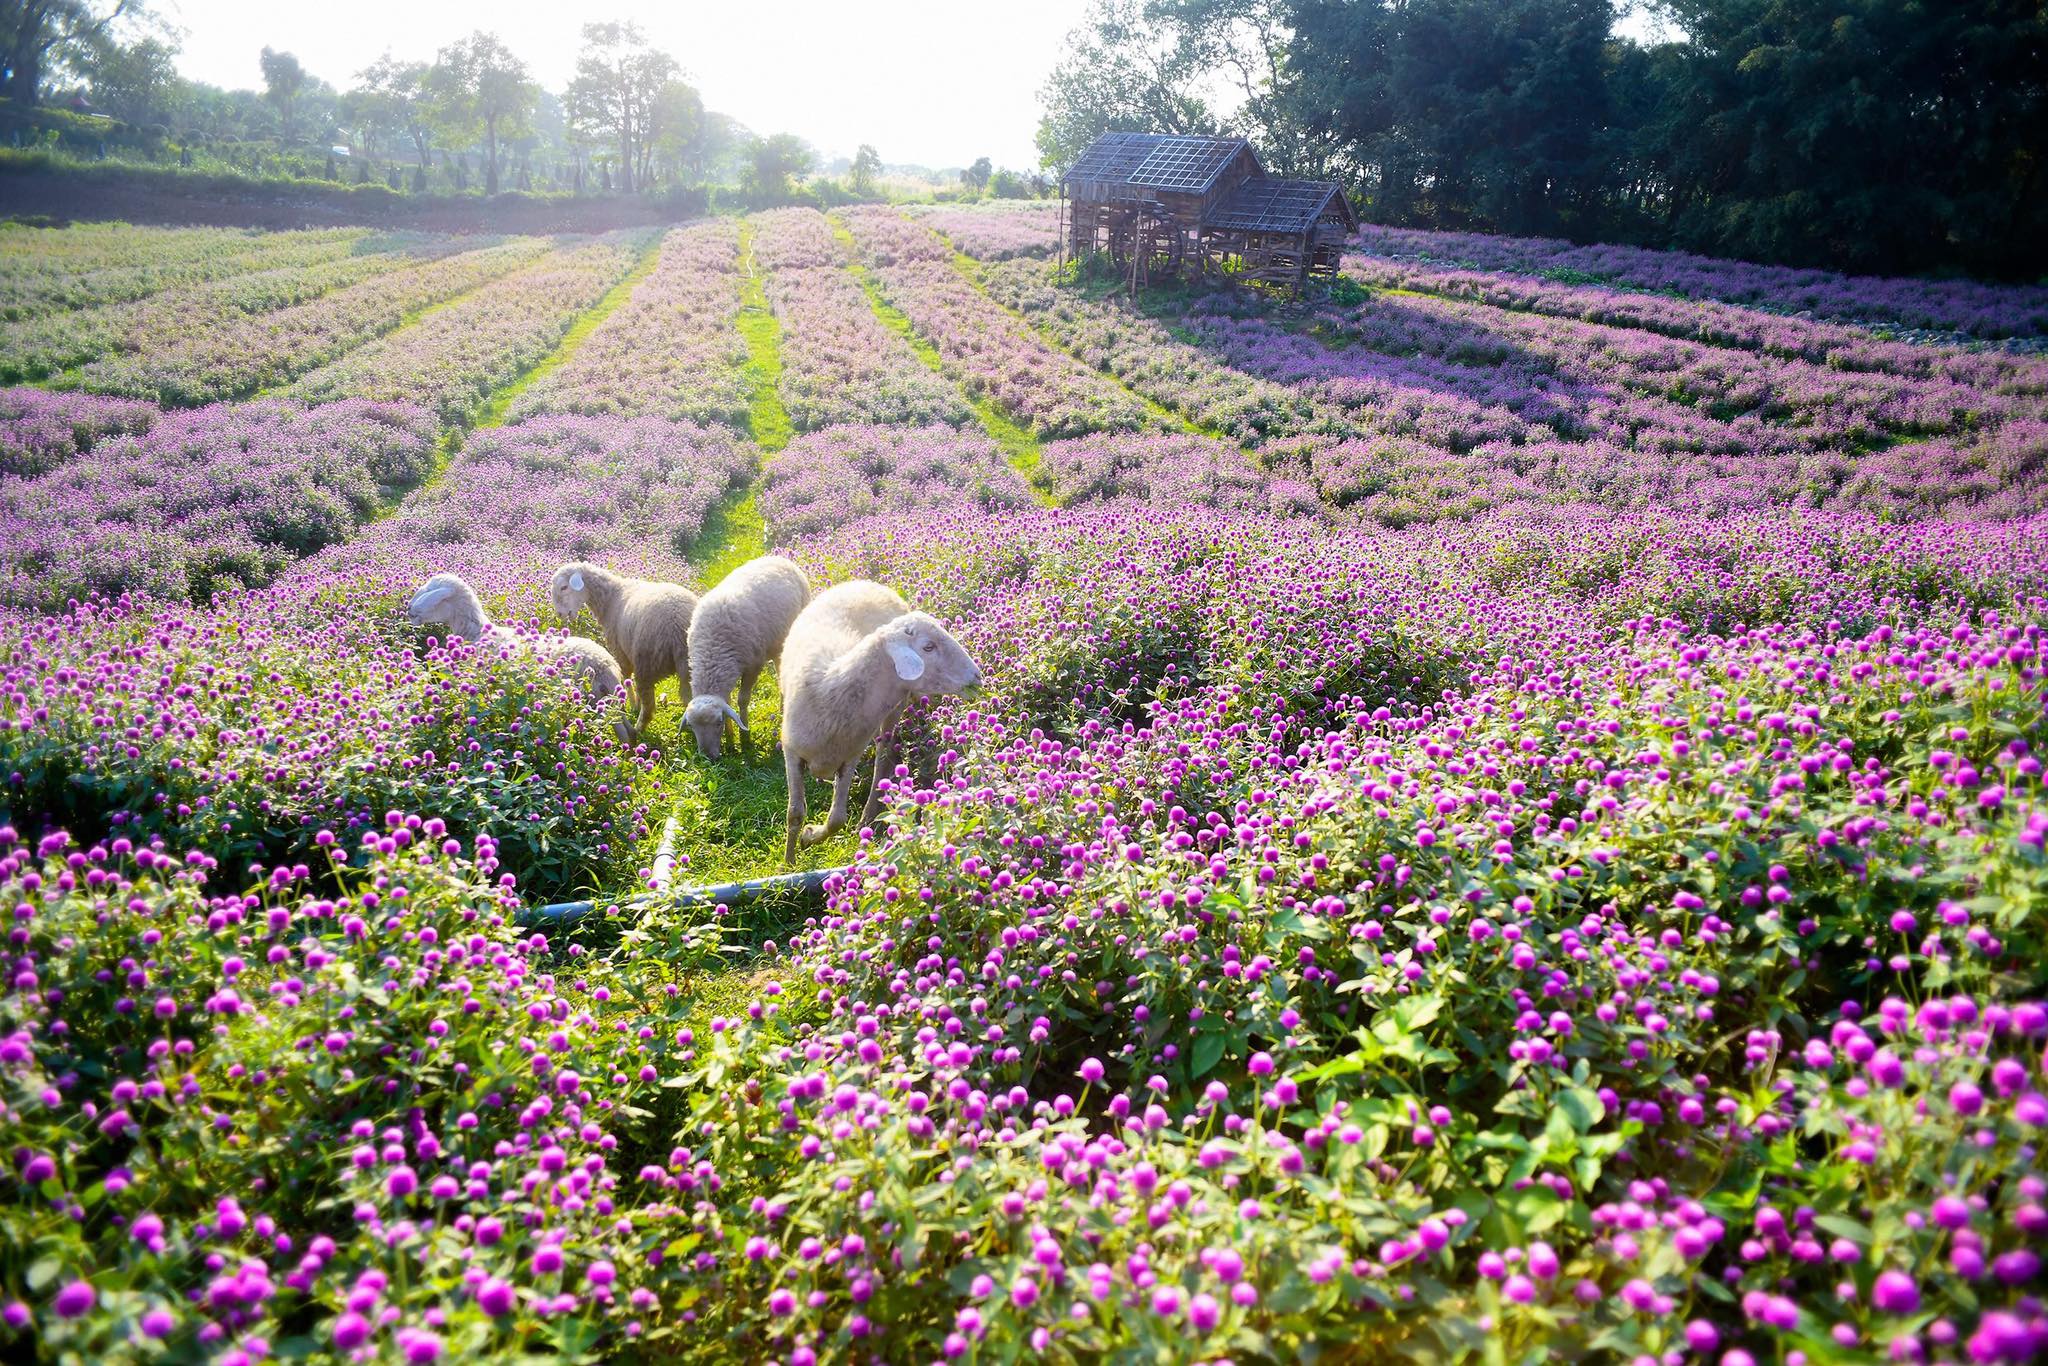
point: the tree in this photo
(134, 82)
(409, 98)
(41, 36)
(484, 84)
(617, 91)
(1879, 136)
(975, 177)
(283, 80)
(773, 162)
(867, 164)
(676, 126)
(1123, 71)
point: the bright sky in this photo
(927, 83)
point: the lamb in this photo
(738, 629)
(646, 623)
(448, 600)
(853, 660)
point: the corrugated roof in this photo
(1155, 161)
(1186, 165)
(1265, 204)
(1113, 156)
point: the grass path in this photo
(1016, 442)
(729, 810)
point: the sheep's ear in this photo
(909, 665)
(737, 719)
(576, 581)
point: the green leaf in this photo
(1208, 1051)
(1582, 1107)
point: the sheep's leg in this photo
(747, 682)
(842, 786)
(793, 773)
(885, 766)
(645, 697)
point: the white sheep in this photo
(448, 600)
(738, 630)
(853, 660)
(646, 623)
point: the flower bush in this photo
(40, 430)
(224, 495)
(828, 478)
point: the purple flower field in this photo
(1504, 821)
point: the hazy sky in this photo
(937, 84)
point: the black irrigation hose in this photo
(723, 894)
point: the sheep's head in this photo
(706, 717)
(440, 601)
(569, 590)
(927, 657)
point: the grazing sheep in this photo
(738, 629)
(646, 623)
(853, 660)
(448, 600)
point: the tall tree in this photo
(975, 177)
(409, 97)
(773, 162)
(1126, 68)
(41, 36)
(487, 83)
(1880, 135)
(617, 90)
(283, 81)
(135, 81)
(867, 164)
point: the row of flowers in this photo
(670, 350)
(1962, 306)
(47, 343)
(206, 499)
(226, 359)
(1706, 320)
(988, 352)
(81, 265)
(1419, 409)
(455, 358)
(840, 363)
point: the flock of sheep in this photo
(851, 658)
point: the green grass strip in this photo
(1016, 442)
(492, 414)
(761, 331)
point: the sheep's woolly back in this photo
(741, 624)
(646, 623)
(838, 686)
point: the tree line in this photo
(627, 122)
(1892, 136)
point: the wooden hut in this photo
(1164, 205)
